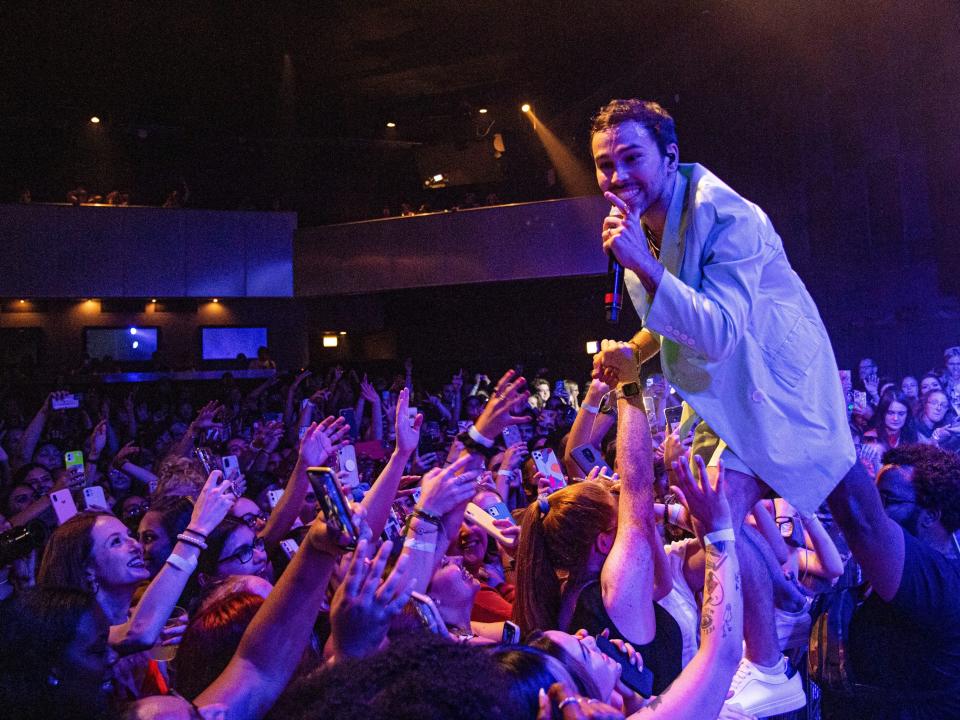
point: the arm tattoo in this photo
(713, 589)
(706, 622)
(727, 620)
(716, 555)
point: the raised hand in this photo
(510, 390)
(514, 456)
(368, 392)
(322, 440)
(707, 503)
(207, 416)
(623, 236)
(124, 453)
(408, 434)
(214, 502)
(443, 489)
(457, 381)
(561, 702)
(98, 440)
(325, 537)
(364, 604)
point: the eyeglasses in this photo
(251, 519)
(138, 510)
(244, 553)
(785, 523)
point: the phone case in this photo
(640, 681)
(231, 466)
(333, 503)
(427, 612)
(273, 497)
(347, 459)
(93, 497)
(289, 547)
(475, 513)
(63, 505)
(587, 457)
(549, 467)
(500, 511)
(511, 435)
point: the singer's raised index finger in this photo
(617, 202)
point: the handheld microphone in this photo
(613, 299)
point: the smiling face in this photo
(156, 543)
(630, 165)
(117, 557)
(452, 584)
(85, 675)
(603, 670)
(928, 384)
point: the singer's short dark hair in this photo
(651, 115)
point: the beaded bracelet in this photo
(427, 516)
(189, 540)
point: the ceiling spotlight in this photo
(133, 331)
(482, 111)
(23, 302)
(438, 177)
(525, 107)
(343, 332)
(391, 124)
(95, 120)
(330, 341)
(153, 300)
(216, 300)
(593, 347)
(136, 344)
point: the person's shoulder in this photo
(711, 196)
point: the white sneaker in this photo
(756, 693)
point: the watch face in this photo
(630, 389)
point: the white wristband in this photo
(478, 437)
(415, 544)
(187, 565)
(592, 409)
(725, 535)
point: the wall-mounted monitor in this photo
(124, 344)
(225, 343)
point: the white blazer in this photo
(743, 343)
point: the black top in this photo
(909, 648)
(663, 654)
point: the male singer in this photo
(738, 336)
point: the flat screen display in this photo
(128, 344)
(225, 343)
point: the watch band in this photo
(627, 391)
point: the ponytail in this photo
(537, 600)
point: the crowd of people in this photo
(508, 549)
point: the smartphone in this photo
(500, 511)
(640, 681)
(511, 633)
(73, 460)
(273, 498)
(333, 502)
(546, 462)
(673, 415)
(511, 435)
(93, 497)
(65, 402)
(428, 613)
(231, 467)
(412, 414)
(350, 416)
(476, 514)
(587, 457)
(650, 408)
(859, 400)
(347, 460)
(207, 460)
(63, 505)
(289, 547)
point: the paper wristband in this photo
(725, 535)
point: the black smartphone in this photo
(350, 416)
(640, 681)
(333, 502)
(672, 415)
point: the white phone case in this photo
(289, 547)
(63, 505)
(273, 497)
(347, 459)
(93, 497)
(475, 513)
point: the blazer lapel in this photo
(674, 230)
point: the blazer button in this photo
(757, 396)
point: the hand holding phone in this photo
(333, 503)
(640, 680)
(548, 465)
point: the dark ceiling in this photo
(297, 95)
